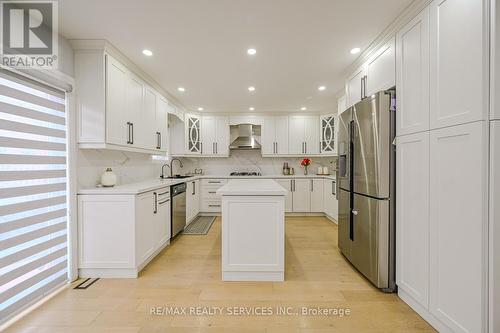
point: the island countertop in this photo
(252, 187)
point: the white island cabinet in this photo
(253, 230)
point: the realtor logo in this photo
(29, 37)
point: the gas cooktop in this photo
(244, 173)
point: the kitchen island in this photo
(253, 230)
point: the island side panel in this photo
(253, 238)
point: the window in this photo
(33, 192)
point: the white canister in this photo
(325, 170)
(320, 170)
(108, 178)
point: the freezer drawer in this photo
(370, 241)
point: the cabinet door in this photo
(412, 208)
(146, 129)
(412, 71)
(197, 197)
(193, 135)
(145, 226)
(296, 140)
(268, 136)
(381, 70)
(162, 223)
(311, 137)
(117, 130)
(458, 227)
(222, 136)
(459, 77)
(301, 195)
(208, 134)
(162, 122)
(281, 125)
(327, 134)
(135, 105)
(327, 198)
(341, 104)
(317, 201)
(287, 185)
(189, 201)
(354, 87)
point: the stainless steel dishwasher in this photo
(178, 193)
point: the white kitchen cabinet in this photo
(301, 195)
(161, 123)
(458, 69)
(381, 70)
(317, 203)
(341, 104)
(215, 135)
(355, 86)
(494, 224)
(145, 206)
(330, 201)
(117, 119)
(210, 201)
(119, 234)
(328, 134)
(458, 223)
(192, 200)
(116, 108)
(412, 209)
(275, 135)
(304, 136)
(192, 132)
(287, 185)
(412, 71)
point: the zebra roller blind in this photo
(33, 198)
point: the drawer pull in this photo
(214, 182)
(213, 205)
(211, 192)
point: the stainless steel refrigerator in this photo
(366, 188)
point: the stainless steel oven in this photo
(178, 193)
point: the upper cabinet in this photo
(377, 74)
(116, 108)
(328, 133)
(193, 144)
(381, 70)
(412, 75)
(304, 138)
(275, 135)
(215, 135)
(458, 70)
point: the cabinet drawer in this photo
(210, 192)
(211, 206)
(213, 182)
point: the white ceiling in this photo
(201, 45)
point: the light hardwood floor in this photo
(187, 274)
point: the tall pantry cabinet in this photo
(442, 164)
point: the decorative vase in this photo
(305, 170)
(108, 178)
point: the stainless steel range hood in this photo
(246, 139)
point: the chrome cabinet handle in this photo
(312, 185)
(132, 135)
(213, 205)
(291, 186)
(305, 147)
(128, 133)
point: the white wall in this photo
(240, 160)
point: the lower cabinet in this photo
(138, 225)
(330, 201)
(287, 185)
(442, 200)
(192, 200)
(210, 201)
(301, 195)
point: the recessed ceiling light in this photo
(148, 53)
(321, 88)
(355, 50)
(181, 89)
(200, 109)
(251, 88)
(303, 108)
(251, 51)
(251, 108)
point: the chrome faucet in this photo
(170, 167)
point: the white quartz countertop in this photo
(251, 187)
(153, 184)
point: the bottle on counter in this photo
(286, 169)
(292, 172)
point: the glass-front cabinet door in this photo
(328, 134)
(193, 134)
